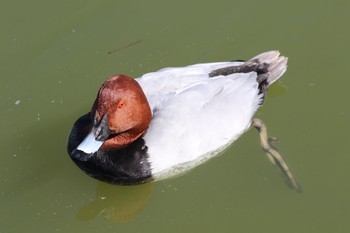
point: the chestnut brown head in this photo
(120, 112)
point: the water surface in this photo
(54, 56)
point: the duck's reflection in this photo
(117, 204)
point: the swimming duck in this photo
(167, 122)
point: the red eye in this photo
(120, 104)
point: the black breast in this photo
(125, 166)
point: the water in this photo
(55, 55)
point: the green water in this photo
(54, 56)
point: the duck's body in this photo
(194, 113)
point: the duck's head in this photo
(119, 115)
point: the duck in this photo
(165, 123)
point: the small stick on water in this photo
(273, 155)
(124, 46)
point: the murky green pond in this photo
(54, 56)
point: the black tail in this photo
(269, 66)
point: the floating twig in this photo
(124, 46)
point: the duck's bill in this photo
(94, 140)
(90, 145)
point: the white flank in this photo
(196, 116)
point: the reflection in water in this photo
(117, 204)
(278, 90)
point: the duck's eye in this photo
(120, 104)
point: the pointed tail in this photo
(275, 64)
